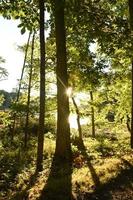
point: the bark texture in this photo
(63, 128)
(42, 89)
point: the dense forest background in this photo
(66, 130)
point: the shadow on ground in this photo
(81, 147)
(59, 183)
(119, 188)
(22, 194)
(58, 186)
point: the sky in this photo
(10, 38)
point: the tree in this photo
(130, 4)
(7, 99)
(63, 129)
(78, 119)
(29, 92)
(20, 83)
(39, 166)
(26, 11)
(92, 115)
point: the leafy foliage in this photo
(99, 52)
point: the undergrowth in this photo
(95, 162)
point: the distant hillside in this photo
(8, 98)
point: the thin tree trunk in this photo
(29, 93)
(39, 165)
(78, 119)
(130, 4)
(63, 148)
(20, 81)
(128, 124)
(132, 110)
(92, 115)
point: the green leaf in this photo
(20, 25)
(23, 30)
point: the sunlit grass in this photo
(104, 154)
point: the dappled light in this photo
(66, 99)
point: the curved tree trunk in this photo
(29, 93)
(39, 166)
(92, 115)
(20, 81)
(63, 128)
(78, 119)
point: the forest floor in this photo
(113, 180)
(101, 169)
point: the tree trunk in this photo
(128, 124)
(132, 109)
(29, 92)
(63, 129)
(92, 115)
(20, 81)
(39, 165)
(130, 4)
(78, 119)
